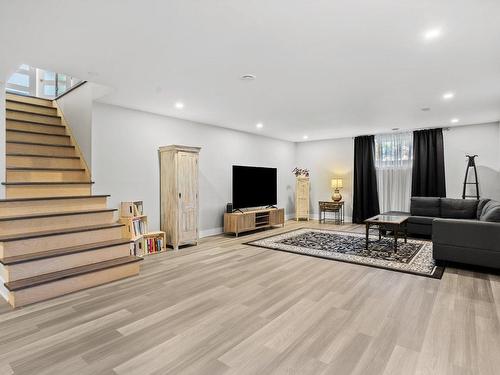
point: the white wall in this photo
(483, 140)
(335, 157)
(498, 163)
(77, 109)
(327, 159)
(125, 160)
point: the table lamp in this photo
(336, 185)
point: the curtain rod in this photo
(403, 131)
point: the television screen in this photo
(254, 186)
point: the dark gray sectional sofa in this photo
(464, 231)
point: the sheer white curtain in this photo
(393, 162)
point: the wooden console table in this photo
(238, 222)
(329, 206)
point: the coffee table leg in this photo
(367, 233)
(406, 232)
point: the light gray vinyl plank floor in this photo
(227, 308)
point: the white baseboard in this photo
(211, 232)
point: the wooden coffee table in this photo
(396, 223)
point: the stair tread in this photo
(42, 156)
(68, 273)
(35, 122)
(40, 144)
(62, 251)
(54, 198)
(55, 214)
(33, 104)
(55, 232)
(48, 183)
(22, 95)
(32, 113)
(37, 133)
(44, 169)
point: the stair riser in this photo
(56, 222)
(29, 100)
(58, 288)
(11, 115)
(19, 148)
(27, 126)
(39, 267)
(36, 162)
(51, 205)
(45, 176)
(37, 138)
(46, 191)
(31, 108)
(34, 245)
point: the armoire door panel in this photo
(187, 182)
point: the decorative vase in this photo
(336, 197)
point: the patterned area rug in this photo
(413, 257)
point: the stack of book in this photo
(143, 242)
(139, 226)
(153, 244)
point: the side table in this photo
(337, 208)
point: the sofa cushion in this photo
(458, 208)
(480, 206)
(419, 229)
(425, 206)
(423, 220)
(491, 212)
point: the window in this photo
(393, 163)
(39, 82)
(19, 79)
(393, 149)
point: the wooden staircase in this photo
(55, 237)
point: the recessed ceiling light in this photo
(305, 137)
(179, 105)
(260, 125)
(448, 95)
(247, 77)
(395, 129)
(454, 120)
(432, 34)
(425, 109)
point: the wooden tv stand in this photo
(238, 222)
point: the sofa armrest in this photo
(466, 233)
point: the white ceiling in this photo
(324, 68)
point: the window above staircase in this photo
(41, 83)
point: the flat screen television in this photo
(254, 186)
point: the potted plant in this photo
(301, 172)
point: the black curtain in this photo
(365, 200)
(428, 164)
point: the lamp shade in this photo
(336, 183)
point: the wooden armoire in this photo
(179, 194)
(302, 198)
